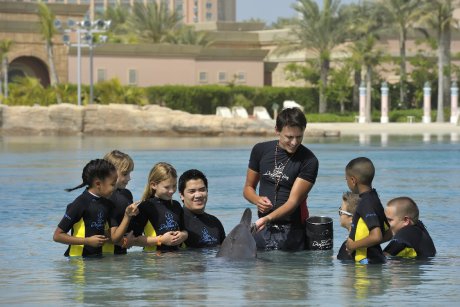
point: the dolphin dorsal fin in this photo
(247, 217)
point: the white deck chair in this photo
(240, 112)
(261, 113)
(224, 112)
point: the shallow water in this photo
(34, 171)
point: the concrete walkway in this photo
(390, 129)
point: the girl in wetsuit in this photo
(160, 219)
(88, 216)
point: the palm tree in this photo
(120, 30)
(440, 18)
(403, 14)
(187, 35)
(318, 31)
(47, 29)
(364, 52)
(154, 22)
(5, 47)
(364, 21)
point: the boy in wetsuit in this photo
(204, 230)
(369, 225)
(346, 212)
(410, 237)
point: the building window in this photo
(222, 77)
(208, 16)
(132, 78)
(208, 5)
(101, 75)
(241, 77)
(203, 77)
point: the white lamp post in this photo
(85, 28)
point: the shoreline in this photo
(154, 120)
(389, 129)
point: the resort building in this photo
(192, 11)
(240, 53)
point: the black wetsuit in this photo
(204, 230)
(412, 241)
(156, 217)
(287, 233)
(121, 199)
(369, 214)
(86, 216)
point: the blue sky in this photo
(268, 10)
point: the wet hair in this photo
(352, 200)
(123, 162)
(405, 206)
(95, 169)
(291, 117)
(191, 174)
(159, 172)
(362, 169)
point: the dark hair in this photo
(191, 174)
(292, 117)
(362, 169)
(95, 169)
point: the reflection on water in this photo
(34, 171)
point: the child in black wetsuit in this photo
(160, 218)
(121, 199)
(88, 217)
(369, 227)
(410, 237)
(346, 212)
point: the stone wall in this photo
(126, 120)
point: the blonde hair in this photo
(123, 162)
(160, 172)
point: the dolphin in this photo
(239, 243)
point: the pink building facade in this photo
(149, 65)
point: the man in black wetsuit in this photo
(204, 230)
(285, 171)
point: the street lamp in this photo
(85, 38)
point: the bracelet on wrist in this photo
(159, 240)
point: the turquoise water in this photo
(35, 171)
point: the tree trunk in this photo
(447, 66)
(368, 109)
(53, 74)
(402, 67)
(5, 75)
(441, 62)
(357, 82)
(1, 82)
(323, 86)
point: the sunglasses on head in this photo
(344, 212)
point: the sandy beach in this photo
(390, 128)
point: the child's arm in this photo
(144, 241)
(61, 236)
(375, 237)
(116, 233)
